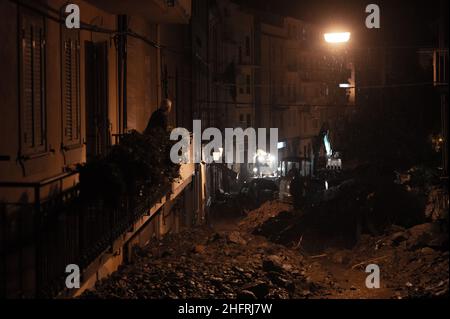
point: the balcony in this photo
(41, 236)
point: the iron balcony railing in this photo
(39, 238)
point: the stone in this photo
(398, 237)
(236, 238)
(280, 281)
(427, 251)
(246, 294)
(341, 257)
(275, 263)
(421, 235)
(259, 288)
(199, 249)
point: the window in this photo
(249, 120)
(70, 68)
(248, 84)
(242, 83)
(247, 46)
(240, 55)
(242, 120)
(32, 84)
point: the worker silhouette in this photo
(296, 188)
(159, 118)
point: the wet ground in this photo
(226, 260)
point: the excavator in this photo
(322, 164)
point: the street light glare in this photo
(337, 37)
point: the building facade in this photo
(68, 96)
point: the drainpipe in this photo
(122, 23)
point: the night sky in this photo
(402, 22)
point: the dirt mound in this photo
(338, 216)
(263, 213)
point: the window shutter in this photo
(38, 93)
(70, 87)
(27, 85)
(32, 65)
(67, 89)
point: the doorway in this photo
(98, 138)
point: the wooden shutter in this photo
(32, 90)
(70, 87)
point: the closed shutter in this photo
(70, 87)
(32, 66)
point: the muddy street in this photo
(225, 260)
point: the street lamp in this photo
(337, 37)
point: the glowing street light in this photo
(337, 37)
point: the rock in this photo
(165, 253)
(246, 294)
(278, 294)
(427, 251)
(199, 249)
(236, 238)
(238, 269)
(440, 242)
(259, 288)
(395, 229)
(214, 238)
(341, 257)
(421, 235)
(398, 237)
(279, 281)
(275, 263)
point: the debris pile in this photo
(202, 263)
(259, 215)
(319, 251)
(367, 201)
(414, 262)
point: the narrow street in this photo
(224, 149)
(225, 260)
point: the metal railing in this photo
(40, 238)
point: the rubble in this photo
(236, 238)
(206, 264)
(411, 266)
(318, 252)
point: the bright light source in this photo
(255, 170)
(337, 37)
(216, 156)
(327, 143)
(281, 145)
(326, 185)
(344, 85)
